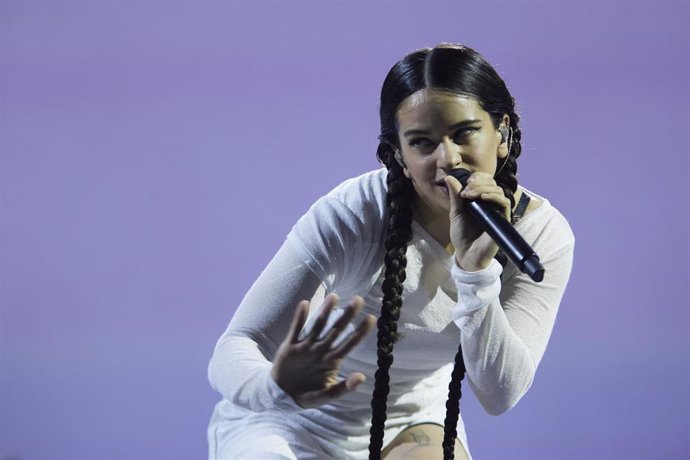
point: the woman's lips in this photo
(443, 186)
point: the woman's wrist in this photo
(471, 266)
(476, 290)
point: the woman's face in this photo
(440, 131)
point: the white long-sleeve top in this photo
(502, 318)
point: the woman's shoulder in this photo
(542, 218)
(369, 187)
(356, 205)
(363, 196)
(341, 234)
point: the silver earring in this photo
(504, 133)
(506, 136)
(398, 158)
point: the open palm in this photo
(307, 368)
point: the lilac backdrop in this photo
(153, 156)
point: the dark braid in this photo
(450, 424)
(465, 72)
(399, 203)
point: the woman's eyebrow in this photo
(461, 124)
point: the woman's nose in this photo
(448, 154)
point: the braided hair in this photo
(463, 71)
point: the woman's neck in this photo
(436, 224)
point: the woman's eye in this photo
(420, 142)
(464, 133)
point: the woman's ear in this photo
(399, 159)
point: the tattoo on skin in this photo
(421, 438)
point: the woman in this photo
(395, 244)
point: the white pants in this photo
(262, 437)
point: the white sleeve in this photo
(504, 336)
(241, 363)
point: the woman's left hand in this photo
(474, 248)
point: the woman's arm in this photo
(262, 362)
(504, 341)
(241, 363)
(328, 250)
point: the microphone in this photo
(502, 232)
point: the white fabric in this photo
(503, 321)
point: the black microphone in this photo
(502, 232)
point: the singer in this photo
(301, 371)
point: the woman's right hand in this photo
(307, 368)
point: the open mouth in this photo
(443, 186)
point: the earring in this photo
(504, 133)
(398, 158)
(506, 136)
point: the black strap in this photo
(521, 206)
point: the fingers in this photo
(354, 380)
(298, 320)
(479, 183)
(482, 186)
(366, 325)
(479, 186)
(327, 305)
(325, 345)
(355, 306)
(454, 189)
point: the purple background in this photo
(153, 156)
